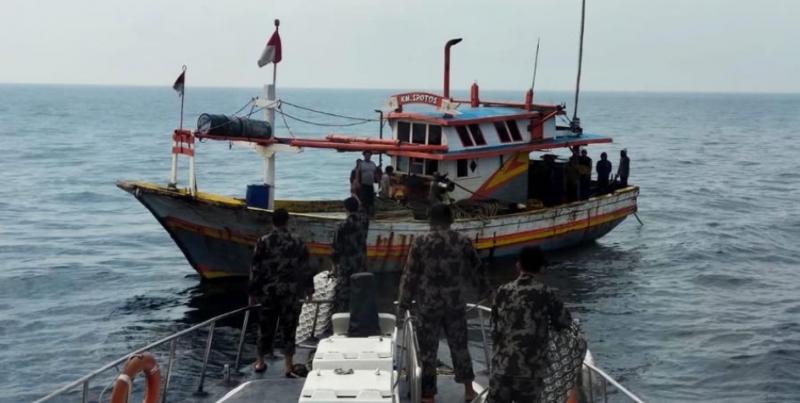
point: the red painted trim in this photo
(180, 149)
(526, 147)
(363, 146)
(256, 140)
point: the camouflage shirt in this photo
(350, 245)
(438, 264)
(280, 267)
(523, 312)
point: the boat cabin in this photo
(486, 145)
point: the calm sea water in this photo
(700, 303)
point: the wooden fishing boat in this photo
(506, 194)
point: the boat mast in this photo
(535, 64)
(575, 125)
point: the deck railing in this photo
(596, 389)
(84, 382)
(411, 365)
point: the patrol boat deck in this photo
(238, 384)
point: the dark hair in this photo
(603, 155)
(351, 204)
(280, 217)
(441, 214)
(531, 259)
(389, 169)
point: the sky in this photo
(630, 45)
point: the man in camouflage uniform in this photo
(524, 312)
(279, 277)
(349, 251)
(438, 263)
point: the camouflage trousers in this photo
(429, 327)
(507, 389)
(283, 312)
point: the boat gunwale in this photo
(217, 199)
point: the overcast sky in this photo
(630, 45)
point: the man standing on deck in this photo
(586, 174)
(603, 172)
(349, 252)
(524, 313)
(437, 264)
(624, 168)
(279, 277)
(367, 174)
(573, 176)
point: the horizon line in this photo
(645, 91)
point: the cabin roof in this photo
(466, 115)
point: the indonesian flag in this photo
(179, 83)
(272, 53)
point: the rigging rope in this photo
(305, 108)
(320, 123)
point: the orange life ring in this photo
(144, 362)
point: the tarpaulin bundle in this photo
(233, 126)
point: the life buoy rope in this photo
(123, 385)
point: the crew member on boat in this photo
(438, 263)
(523, 315)
(439, 189)
(585, 169)
(349, 254)
(624, 168)
(573, 176)
(279, 276)
(603, 172)
(386, 182)
(367, 175)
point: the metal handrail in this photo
(608, 379)
(172, 339)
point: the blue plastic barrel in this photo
(258, 196)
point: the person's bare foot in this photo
(259, 366)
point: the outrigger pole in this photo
(575, 124)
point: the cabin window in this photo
(462, 168)
(418, 133)
(502, 132)
(435, 135)
(431, 166)
(402, 164)
(463, 134)
(477, 135)
(416, 166)
(403, 129)
(514, 130)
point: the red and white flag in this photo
(179, 83)
(271, 53)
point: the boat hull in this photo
(217, 234)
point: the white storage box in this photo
(361, 353)
(361, 386)
(341, 321)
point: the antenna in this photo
(535, 64)
(575, 125)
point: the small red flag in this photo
(179, 83)
(272, 52)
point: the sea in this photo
(699, 302)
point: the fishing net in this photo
(565, 352)
(324, 285)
